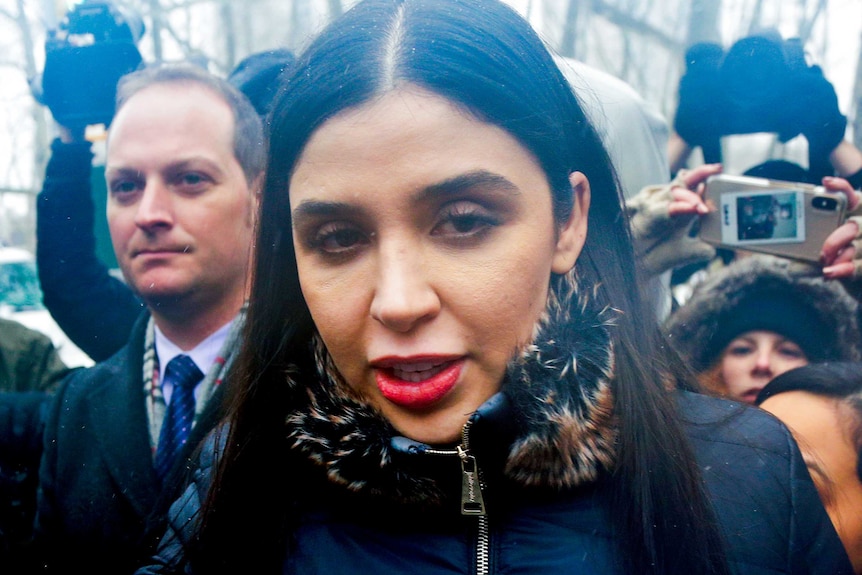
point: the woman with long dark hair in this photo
(446, 367)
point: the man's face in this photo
(180, 211)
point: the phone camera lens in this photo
(824, 204)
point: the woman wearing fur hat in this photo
(443, 370)
(759, 317)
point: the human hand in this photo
(661, 217)
(687, 189)
(841, 254)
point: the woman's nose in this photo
(763, 361)
(404, 296)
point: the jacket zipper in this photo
(472, 502)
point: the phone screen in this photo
(752, 217)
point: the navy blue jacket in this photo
(765, 501)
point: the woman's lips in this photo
(420, 383)
(750, 396)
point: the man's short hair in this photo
(248, 139)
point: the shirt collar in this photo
(204, 354)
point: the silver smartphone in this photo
(788, 219)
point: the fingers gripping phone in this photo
(788, 219)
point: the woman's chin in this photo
(433, 429)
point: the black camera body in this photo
(763, 83)
(93, 48)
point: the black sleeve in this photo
(95, 309)
(22, 420)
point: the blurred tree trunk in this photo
(21, 231)
(40, 139)
(703, 21)
(226, 15)
(570, 26)
(335, 9)
(155, 29)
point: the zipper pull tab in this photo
(471, 492)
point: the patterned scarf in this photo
(156, 406)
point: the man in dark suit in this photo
(185, 158)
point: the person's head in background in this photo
(822, 406)
(759, 317)
(419, 148)
(185, 158)
(260, 75)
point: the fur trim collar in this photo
(558, 391)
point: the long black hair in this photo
(483, 56)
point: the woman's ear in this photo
(573, 233)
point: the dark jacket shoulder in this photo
(762, 493)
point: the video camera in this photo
(94, 46)
(763, 83)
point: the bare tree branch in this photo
(570, 25)
(183, 43)
(30, 71)
(632, 24)
(807, 24)
(756, 17)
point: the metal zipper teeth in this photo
(483, 536)
(483, 547)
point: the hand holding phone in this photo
(788, 219)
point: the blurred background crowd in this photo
(643, 42)
(679, 92)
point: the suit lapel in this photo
(117, 413)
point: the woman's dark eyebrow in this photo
(470, 180)
(451, 187)
(317, 208)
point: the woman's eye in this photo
(338, 239)
(464, 219)
(739, 349)
(791, 351)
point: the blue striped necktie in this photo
(182, 372)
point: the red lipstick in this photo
(417, 383)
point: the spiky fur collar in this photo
(559, 393)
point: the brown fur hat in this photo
(767, 293)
